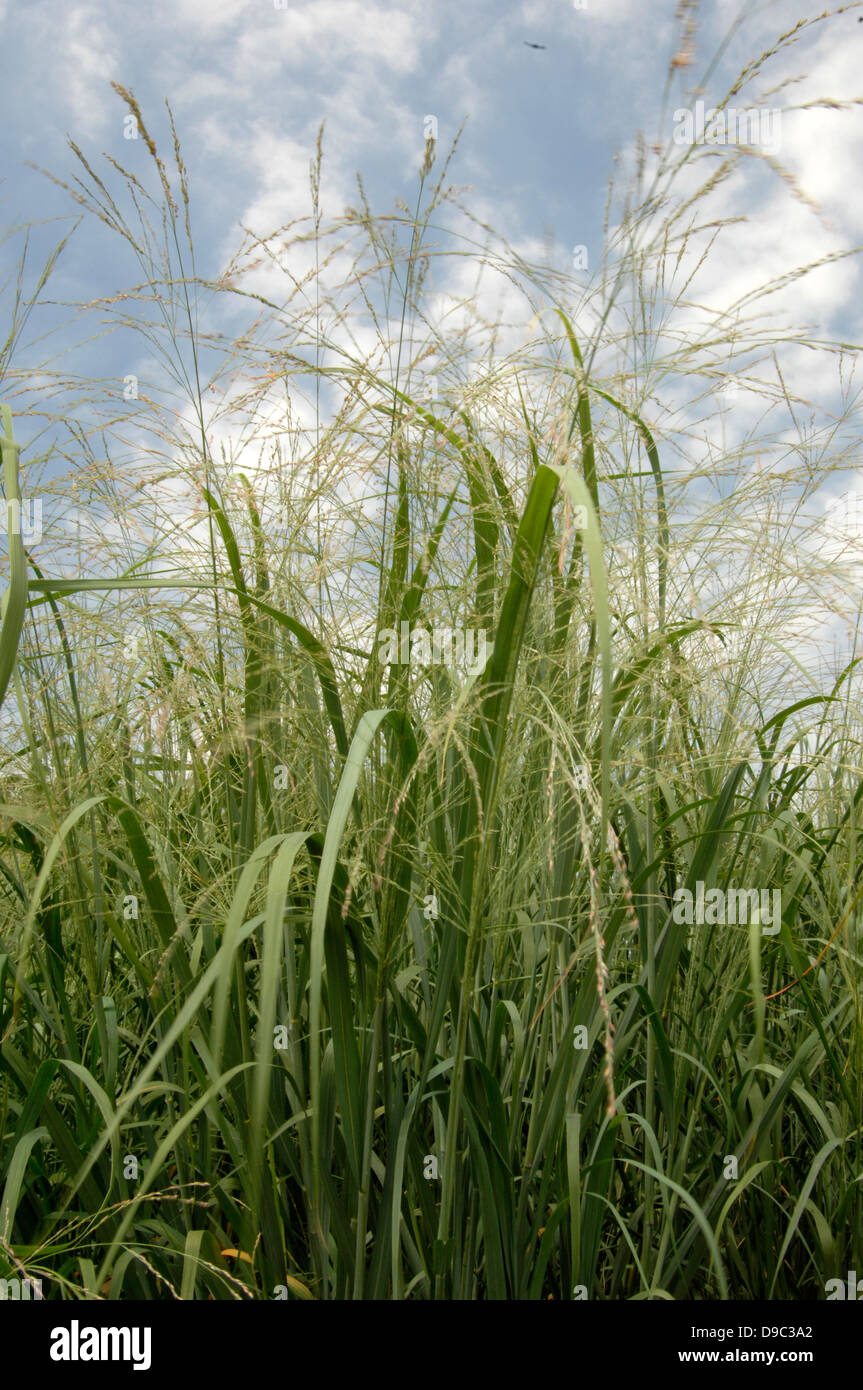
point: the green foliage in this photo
(298, 952)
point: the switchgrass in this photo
(326, 978)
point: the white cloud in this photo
(78, 48)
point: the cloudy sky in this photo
(251, 80)
(545, 127)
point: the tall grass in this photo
(327, 978)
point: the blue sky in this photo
(249, 83)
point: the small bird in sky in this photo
(532, 45)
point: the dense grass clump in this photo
(330, 975)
